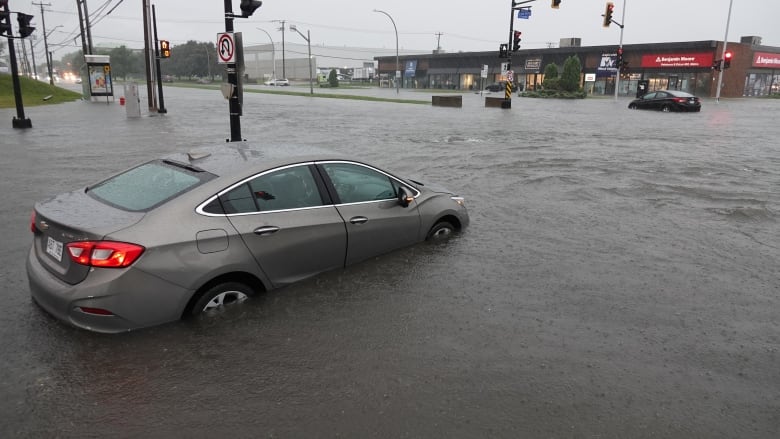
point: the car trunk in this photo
(74, 216)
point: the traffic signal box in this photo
(165, 49)
(727, 60)
(608, 14)
(516, 41)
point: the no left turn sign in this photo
(226, 48)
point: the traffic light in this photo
(503, 51)
(248, 7)
(556, 4)
(24, 24)
(516, 41)
(620, 57)
(727, 60)
(608, 14)
(165, 49)
(716, 64)
(5, 23)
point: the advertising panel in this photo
(768, 60)
(607, 66)
(677, 60)
(100, 79)
(411, 68)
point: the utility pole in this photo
(151, 97)
(284, 71)
(46, 41)
(620, 48)
(438, 42)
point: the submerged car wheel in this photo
(440, 230)
(632, 107)
(666, 108)
(221, 295)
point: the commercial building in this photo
(686, 66)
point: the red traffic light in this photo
(516, 41)
(727, 60)
(608, 14)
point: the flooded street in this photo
(620, 278)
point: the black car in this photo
(499, 86)
(667, 100)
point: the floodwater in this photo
(620, 278)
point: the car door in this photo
(286, 220)
(367, 200)
(646, 101)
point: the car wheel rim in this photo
(442, 233)
(226, 298)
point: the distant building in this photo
(262, 61)
(687, 66)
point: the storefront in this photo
(685, 66)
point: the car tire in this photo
(666, 108)
(440, 231)
(220, 295)
(632, 107)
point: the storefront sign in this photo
(764, 59)
(607, 66)
(411, 68)
(677, 60)
(590, 77)
(532, 65)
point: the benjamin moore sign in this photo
(764, 59)
(677, 60)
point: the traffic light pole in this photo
(161, 109)
(516, 6)
(620, 48)
(232, 79)
(20, 121)
(723, 55)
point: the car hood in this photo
(433, 187)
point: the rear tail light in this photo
(680, 100)
(104, 254)
(33, 227)
(95, 311)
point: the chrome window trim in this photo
(199, 209)
(405, 184)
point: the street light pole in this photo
(397, 65)
(273, 52)
(306, 37)
(723, 54)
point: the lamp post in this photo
(723, 54)
(397, 65)
(46, 48)
(273, 52)
(306, 37)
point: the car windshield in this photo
(149, 185)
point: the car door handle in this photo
(266, 230)
(358, 220)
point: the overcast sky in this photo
(464, 25)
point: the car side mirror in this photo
(404, 198)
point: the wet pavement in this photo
(620, 278)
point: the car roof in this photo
(678, 93)
(232, 158)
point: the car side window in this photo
(357, 184)
(287, 188)
(649, 96)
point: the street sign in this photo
(226, 48)
(524, 13)
(484, 72)
(510, 76)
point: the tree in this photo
(570, 78)
(123, 62)
(551, 77)
(333, 78)
(192, 58)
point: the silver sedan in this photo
(190, 233)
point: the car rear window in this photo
(149, 185)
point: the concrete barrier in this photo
(447, 101)
(496, 103)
